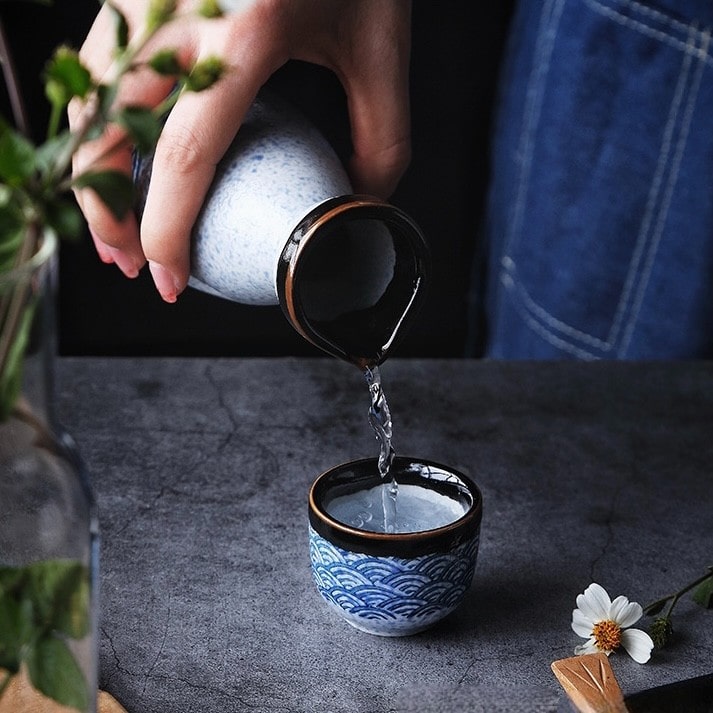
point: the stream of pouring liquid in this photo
(380, 420)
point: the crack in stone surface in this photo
(117, 661)
(151, 668)
(210, 378)
(609, 524)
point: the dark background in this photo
(455, 59)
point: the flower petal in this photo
(581, 625)
(588, 647)
(638, 644)
(625, 613)
(594, 603)
(616, 606)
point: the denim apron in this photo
(599, 225)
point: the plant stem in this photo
(12, 304)
(159, 112)
(53, 125)
(120, 66)
(677, 595)
(13, 86)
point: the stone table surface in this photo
(201, 467)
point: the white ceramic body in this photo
(276, 171)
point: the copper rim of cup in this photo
(407, 544)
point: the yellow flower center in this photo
(607, 635)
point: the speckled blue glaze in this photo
(277, 170)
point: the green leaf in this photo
(210, 9)
(107, 95)
(65, 219)
(204, 74)
(11, 579)
(115, 189)
(9, 633)
(59, 590)
(54, 672)
(17, 157)
(703, 593)
(165, 62)
(122, 27)
(16, 617)
(66, 77)
(48, 152)
(655, 608)
(142, 126)
(159, 13)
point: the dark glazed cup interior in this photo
(352, 277)
(359, 475)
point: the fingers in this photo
(365, 43)
(196, 135)
(116, 241)
(381, 138)
(377, 86)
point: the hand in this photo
(365, 42)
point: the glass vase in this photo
(48, 529)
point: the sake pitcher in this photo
(281, 225)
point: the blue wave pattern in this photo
(391, 596)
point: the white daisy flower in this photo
(604, 623)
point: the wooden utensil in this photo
(21, 697)
(590, 683)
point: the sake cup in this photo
(393, 583)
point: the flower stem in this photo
(675, 596)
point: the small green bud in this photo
(204, 74)
(159, 13)
(661, 631)
(165, 62)
(210, 9)
(66, 77)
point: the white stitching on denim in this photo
(662, 17)
(540, 312)
(666, 202)
(546, 36)
(652, 201)
(645, 29)
(527, 307)
(535, 92)
(656, 15)
(544, 333)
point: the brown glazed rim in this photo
(320, 216)
(407, 545)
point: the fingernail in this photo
(124, 262)
(165, 282)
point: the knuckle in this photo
(180, 150)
